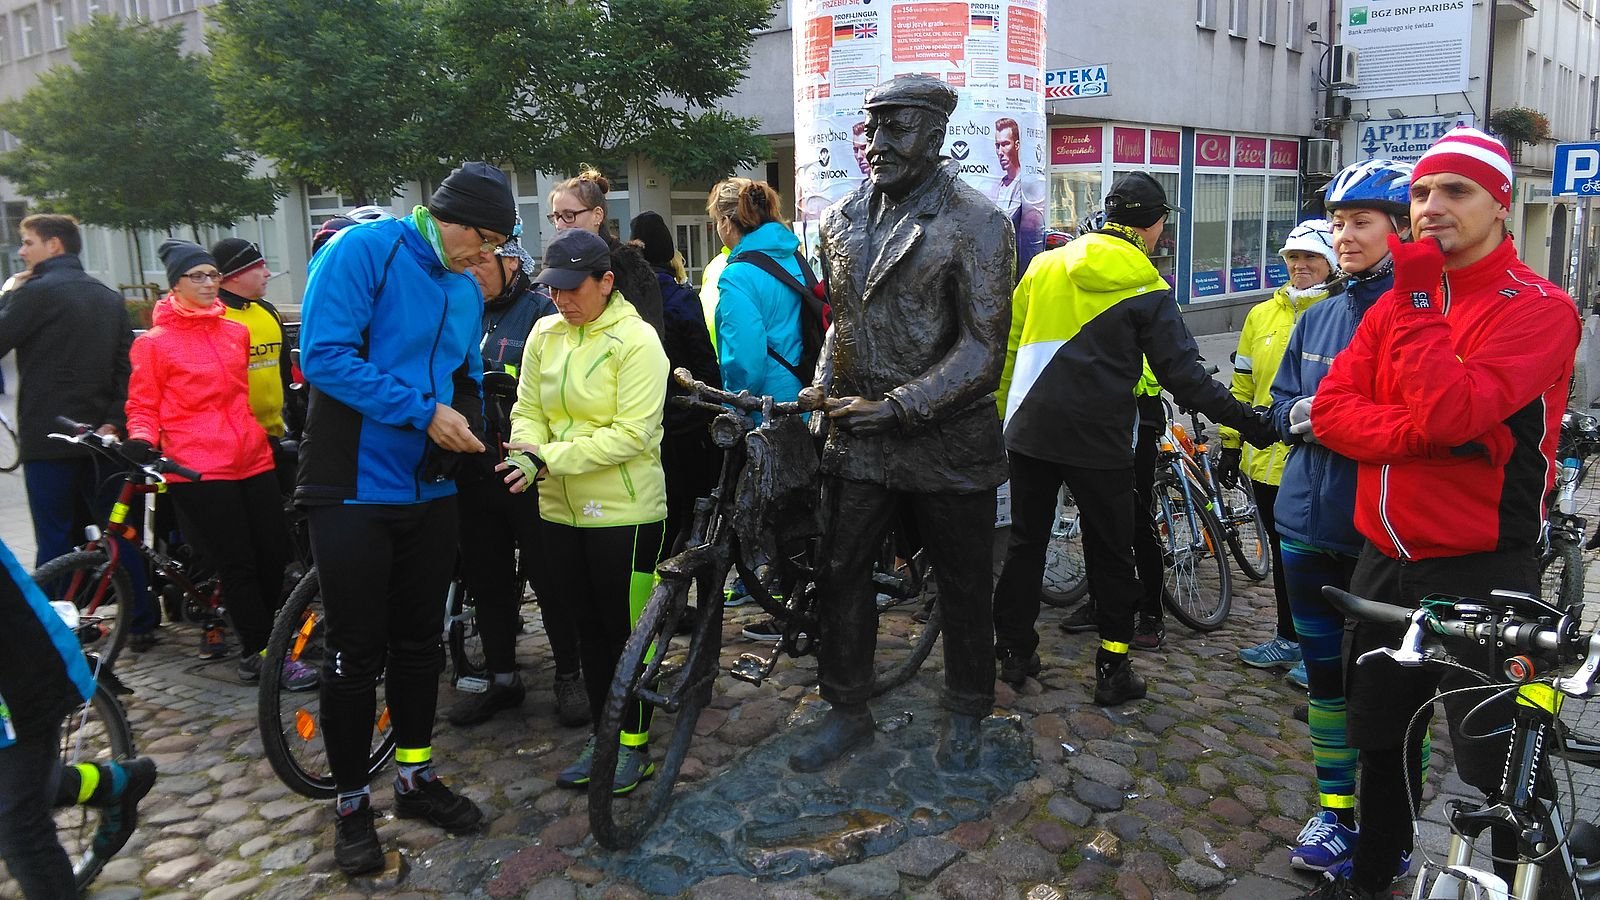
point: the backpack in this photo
(813, 310)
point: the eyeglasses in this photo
(488, 246)
(567, 218)
(203, 277)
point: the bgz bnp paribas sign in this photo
(1403, 140)
(1408, 48)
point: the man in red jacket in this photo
(1450, 398)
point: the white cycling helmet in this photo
(1312, 236)
(368, 214)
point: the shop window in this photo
(1246, 243)
(1210, 235)
(1074, 196)
(1165, 253)
(1283, 206)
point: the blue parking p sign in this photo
(1577, 170)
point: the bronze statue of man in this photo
(919, 270)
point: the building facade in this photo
(1227, 102)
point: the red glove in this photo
(1417, 269)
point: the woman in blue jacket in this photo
(759, 344)
(1315, 508)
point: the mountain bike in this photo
(1243, 526)
(760, 520)
(10, 447)
(1562, 542)
(91, 577)
(1549, 850)
(291, 722)
(1198, 585)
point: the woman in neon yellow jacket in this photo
(1308, 253)
(587, 427)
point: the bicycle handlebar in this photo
(744, 400)
(108, 445)
(1482, 622)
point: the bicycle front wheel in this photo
(96, 733)
(1561, 573)
(462, 634)
(1246, 529)
(662, 681)
(10, 447)
(908, 620)
(291, 723)
(102, 594)
(1198, 587)
(1066, 577)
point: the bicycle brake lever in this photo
(1409, 653)
(1581, 682)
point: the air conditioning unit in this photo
(1346, 65)
(1322, 157)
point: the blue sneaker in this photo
(738, 595)
(1297, 676)
(1273, 653)
(1323, 843)
(1345, 867)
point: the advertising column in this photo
(992, 53)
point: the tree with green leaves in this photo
(342, 95)
(556, 83)
(131, 136)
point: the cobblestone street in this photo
(1204, 784)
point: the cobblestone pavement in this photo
(1204, 785)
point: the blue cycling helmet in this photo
(1381, 184)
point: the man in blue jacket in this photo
(389, 345)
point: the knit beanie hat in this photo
(235, 255)
(651, 230)
(1312, 236)
(1473, 155)
(476, 195)
(181, 256)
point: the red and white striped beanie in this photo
(1471, 154)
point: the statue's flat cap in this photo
(919, 91)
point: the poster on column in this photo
(992, 53)
(1408, 48)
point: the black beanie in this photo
(181, 256)
(478, 195)
(650, 229)
(234, 255)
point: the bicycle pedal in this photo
(752, 668)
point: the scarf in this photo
(429, 228)
(1127, 234)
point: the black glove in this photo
(1258, 431)
(140, 453)
(1228, 465)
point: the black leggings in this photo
(1266, 496)
(604, 575)
(238, 528)
(499, 551)
(384, 573)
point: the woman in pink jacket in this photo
(189, 397)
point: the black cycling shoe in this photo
(355, 841)
(1115, 681)
(476, 708)
(121, 814)
(1015, 668)
(431, 800)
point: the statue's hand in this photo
(859, 415)
(811, 398)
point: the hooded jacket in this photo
(189, 393)
(1083, 320)
(688, 345)
(1487, 360)
(756, 311)
(388, 334)
(591, 397)
(1317, 497)
(1262, 342)
(71, 334)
